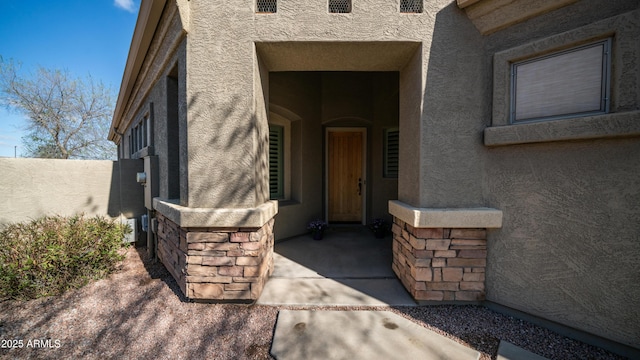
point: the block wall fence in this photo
(31, 188)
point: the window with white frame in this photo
(569, 83)
(391, 153)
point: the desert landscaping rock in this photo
(139, 313)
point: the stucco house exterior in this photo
(501, 138)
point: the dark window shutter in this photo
(391, 149)
(276, 162)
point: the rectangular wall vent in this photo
(340, 6)
(267, 6)
(411, 6)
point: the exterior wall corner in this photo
(215, 263)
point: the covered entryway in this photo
(341, 110)
(337, 141)
(349, 267)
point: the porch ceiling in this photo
(336, 56)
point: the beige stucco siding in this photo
(222, 72)
(569, 244)
(32, 188)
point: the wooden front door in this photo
(345, 161)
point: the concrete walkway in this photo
(355, 335)
(351, 268)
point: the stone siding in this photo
(440, 264)
(230, 264)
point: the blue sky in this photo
(81, 36)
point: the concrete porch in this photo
(349, 267)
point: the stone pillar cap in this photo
(217, 217)
(459, 218)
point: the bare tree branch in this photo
(68, 117)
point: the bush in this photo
(49, 255)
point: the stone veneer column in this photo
(441, 254)
(440, 263)
(217, 263)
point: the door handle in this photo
(360, 186)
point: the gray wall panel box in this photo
(151, 185)
(133, 235)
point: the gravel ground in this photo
(139, 313)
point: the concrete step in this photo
(335, 292)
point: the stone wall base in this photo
(440, 264)
(221, 264)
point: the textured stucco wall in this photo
(160, 92)
(454, 113)
(385, 98)
(222, 124)
(162, 106)
(220, 166)
(569, 247)
(296, 97)
(225, 124)
(31, 188)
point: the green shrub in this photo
(49, 255)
